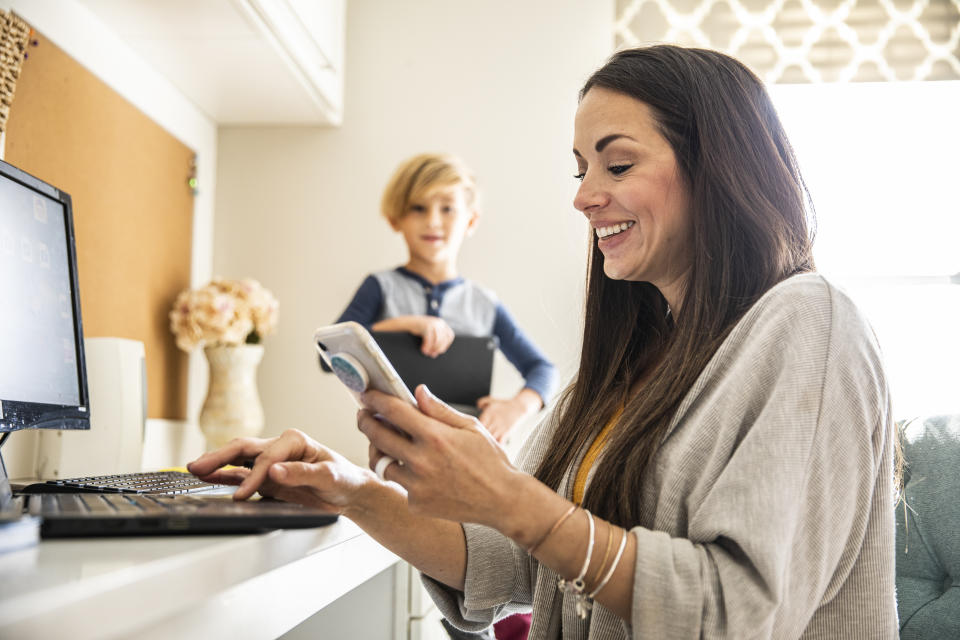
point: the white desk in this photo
(249, 586)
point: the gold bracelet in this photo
(606, 553)
(556, 525)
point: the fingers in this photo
(383, 437)
(232, 476)
(237, 452)
(381, 465)
(293, 445)
(493, 421)
(437, 337)
(372, 452)
(394, 410)
(298, 482)
(437, 409)
(414, 425)
(486, 418)
(395, 472)
(445, 337)
(499, 430)
(295, 474)
(428, 346)
(378, 461)
(484, 402)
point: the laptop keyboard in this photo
(111, 504)
(114, 505)
(153, 482)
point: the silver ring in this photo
(381, 467)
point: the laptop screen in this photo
(42, 376)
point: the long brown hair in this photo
(749, 210)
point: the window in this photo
(882, 166)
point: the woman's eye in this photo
(417, 208)
(579, 176)
(619, 169)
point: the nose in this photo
(590, 196)
(434, 217)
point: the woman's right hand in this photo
(292, 467)
(449, 464)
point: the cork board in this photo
(132, 206)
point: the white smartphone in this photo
(353, 355)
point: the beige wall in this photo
(494, 81)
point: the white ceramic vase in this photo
(232, 408)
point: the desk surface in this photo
(162, 587)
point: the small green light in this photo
(193, 183)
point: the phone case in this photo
(353, 355)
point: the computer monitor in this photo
(43, 381)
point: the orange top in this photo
(580, 481)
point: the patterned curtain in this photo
(802, 41)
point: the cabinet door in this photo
(428, 627)
(420, 602)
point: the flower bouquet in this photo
(229, 318)
(223, 313)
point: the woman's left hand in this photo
(291, 467)
(450, 465)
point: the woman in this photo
(722, 464)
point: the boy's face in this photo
(435, 224)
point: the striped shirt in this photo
(469, 310)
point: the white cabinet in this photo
(416, 613)
(428, 627)
(308, 35)
(241, 62)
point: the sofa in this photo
(928, 530)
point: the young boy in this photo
(432, 200)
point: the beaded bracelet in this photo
(556, 525)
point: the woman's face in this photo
(632, 192)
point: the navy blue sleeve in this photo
(538, 372)
(366, 304)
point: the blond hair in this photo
(418, 176)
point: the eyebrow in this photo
(604, 141)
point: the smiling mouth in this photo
(614, 229)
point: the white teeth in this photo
(603, 232)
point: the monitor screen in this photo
(42, 369)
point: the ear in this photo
(474, 222)
(395, 225)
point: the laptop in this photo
(460, 376)
(43, 385)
